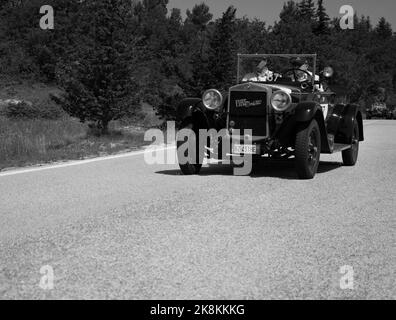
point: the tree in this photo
(307, 10)
(252, 36)
(292, 34)
(223, 51)
(384, 29)
(290, 13)
(199, 16)
(197, 41)
(196, 26)
(97, 79)
(322, 23)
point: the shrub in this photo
(27, 110)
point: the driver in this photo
(304, 74)
(263, 74)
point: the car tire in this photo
(195, 167)
(307, 150)
(350, 156)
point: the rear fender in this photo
(350, 114)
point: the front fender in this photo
(192, 109)
(306, 111)
(187, 107)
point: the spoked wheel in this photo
(350, 156)
(307, 151)
(188, 152)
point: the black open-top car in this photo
(288, 107)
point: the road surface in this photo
(122, 229)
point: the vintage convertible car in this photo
(290, 112)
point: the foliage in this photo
(222, 50)
(98, 77)
(27, 110)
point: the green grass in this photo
(28, 142)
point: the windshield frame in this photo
(287, 56)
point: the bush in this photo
(27, 110)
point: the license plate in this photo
(244, 149)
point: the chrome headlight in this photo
(212, 99)
(281, 101)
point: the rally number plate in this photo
(244, 149)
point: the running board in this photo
(338, 147)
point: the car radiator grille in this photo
(248, 110)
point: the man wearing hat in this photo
(305, 74)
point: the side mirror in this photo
(328, 72)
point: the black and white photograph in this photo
(197, 155)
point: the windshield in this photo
(277, 68)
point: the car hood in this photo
(263, 86)
(288, 89)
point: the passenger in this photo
(263, 74)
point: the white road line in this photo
(79, 162)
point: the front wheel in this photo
(307, 150)
(188, 152)
(350, 156)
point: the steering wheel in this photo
(294, 71)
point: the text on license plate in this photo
(244, 149)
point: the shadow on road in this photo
(264, 168)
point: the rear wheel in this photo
(307, 150)
(190, 164)
(350, 156)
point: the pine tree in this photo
(98, 81)
(196, 29)
(322, 23)
(199, 16)
(196, 26)
(223, 51)
(292, 34)
(307, 10)
(384, 29)
(290, 13)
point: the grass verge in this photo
(30, 142)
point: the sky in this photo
(268, 10)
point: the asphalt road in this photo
(120, 228)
